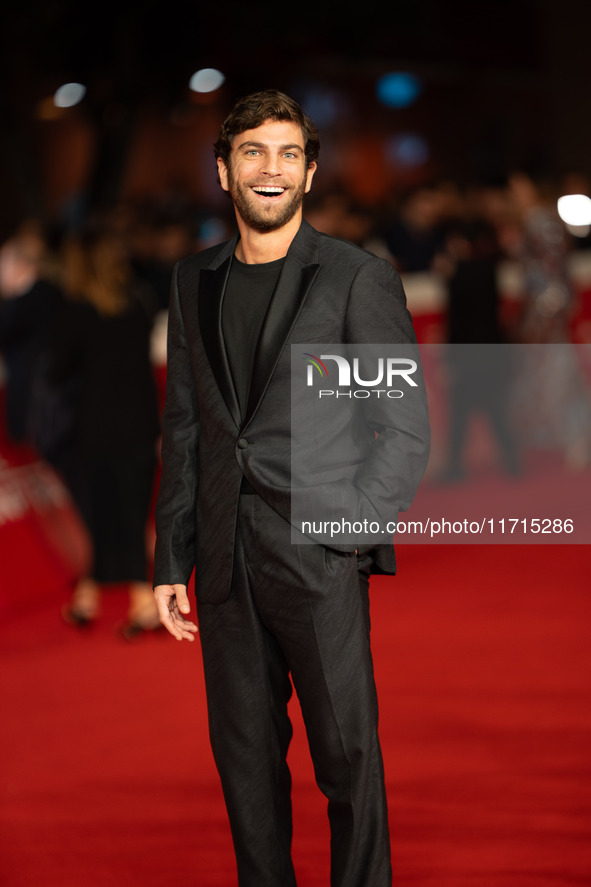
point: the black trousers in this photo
(301, 610)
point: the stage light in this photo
(206, 80)
(68, 95)
(575, 209)
(407, 149)
(398, 89)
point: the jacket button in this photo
(242, 443)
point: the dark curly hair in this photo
(253, 110)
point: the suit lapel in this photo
(298, 273)
(212, 285)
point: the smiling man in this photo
(272, 612)
(267, 177)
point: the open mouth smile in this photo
(268, 190)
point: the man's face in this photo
(266, 175)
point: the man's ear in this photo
(223, 174)
(310, 174)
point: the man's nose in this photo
(271, 165)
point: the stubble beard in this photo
(264, 219)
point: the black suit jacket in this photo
(329, 291)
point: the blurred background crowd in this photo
(451, 135)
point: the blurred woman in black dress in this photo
(103, 340)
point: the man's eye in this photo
(252, 153)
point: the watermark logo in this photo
(314, 363)
(384, 370)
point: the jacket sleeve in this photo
(176, 504)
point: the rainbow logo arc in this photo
(314, 361)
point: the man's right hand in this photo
(172, 602)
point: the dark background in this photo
(504, 86)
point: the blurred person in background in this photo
(157, 241)
(29, 304)
(468, 261)
(550, 396)
(479, 376)
(103, 339)
(415, 235)
(336, 213)
(542, 245)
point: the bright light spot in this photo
(407, 149)
(398, 89)
(206, 80)
(575, 209)
(69, 95)
(579, 230)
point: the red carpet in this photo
(483, 664)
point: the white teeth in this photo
(269, 190)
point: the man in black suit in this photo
(268, 608)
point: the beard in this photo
(264, 218)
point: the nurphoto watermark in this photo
(510, 437)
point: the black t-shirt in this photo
(246, 300)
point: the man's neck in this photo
(255, 247)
